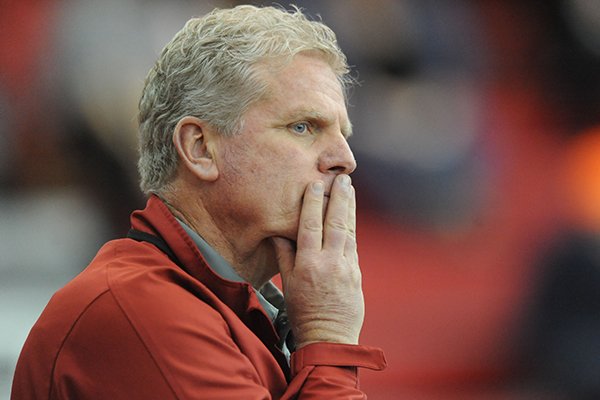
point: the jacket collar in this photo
(157, 219)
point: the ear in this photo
(193, 139)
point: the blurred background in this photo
(478, 142)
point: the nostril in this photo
(338, 169)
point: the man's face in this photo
(296, 135)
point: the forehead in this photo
(306, 70)
(305, 87)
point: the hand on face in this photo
(321, 276)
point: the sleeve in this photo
(330, 370)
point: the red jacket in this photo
(135, 325)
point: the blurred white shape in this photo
(107, 49)
(426, 123)
(48, 232)
(46, 237)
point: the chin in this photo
(292, 235)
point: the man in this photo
(243, 154)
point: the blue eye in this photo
(300, 127)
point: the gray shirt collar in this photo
(269, 296)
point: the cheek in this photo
(277, 172)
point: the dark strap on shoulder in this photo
(156, 241)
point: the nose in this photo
(337, 157)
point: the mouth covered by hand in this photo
(320, 272)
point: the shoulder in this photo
(136, 317)
(153, 292)
(147, 288)
(137, 285)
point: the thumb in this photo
(285, 253)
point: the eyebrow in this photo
(315, 115)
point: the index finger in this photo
(310, 226)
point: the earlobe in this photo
(193, 140)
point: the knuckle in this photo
(337, 224)
(352, 233)
(356, 275)
(312, 224)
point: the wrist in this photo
(307, 336)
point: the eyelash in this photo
(303, 123)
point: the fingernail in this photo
(317, 187)
(345, 180)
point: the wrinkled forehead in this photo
(305, 88)
(307, 70)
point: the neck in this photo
(253, 259)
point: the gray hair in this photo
(210, 70)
